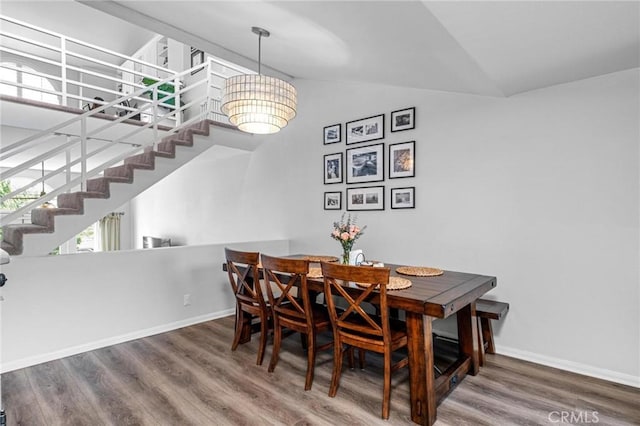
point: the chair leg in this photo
(361, 354)
(487, 335)
(386, 392)
(351, 358)
(311, 359)
(480, 342)
(277, 339)
(239, 327)
(337, 367)
(264, 334)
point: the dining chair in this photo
(355, 327)
(244, 278)
(292, 308)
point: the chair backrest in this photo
(339, 280)
(289, 278)
(244, 276)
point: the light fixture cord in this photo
(259, 53)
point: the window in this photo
(25, 77)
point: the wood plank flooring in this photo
(191, 377)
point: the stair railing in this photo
(82, 147)
(41, 139)
(66, 57)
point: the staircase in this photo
(51, 227)
(99, 157)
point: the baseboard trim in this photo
(51, 356)
(574, 367)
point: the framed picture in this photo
(370, 198)
(402, 160)
(333, 200)
(333, 168)
(403, 119)
(365, 129)
(332, 134)
(197, 58)
(365, 164)
(403, 198)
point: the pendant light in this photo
(256, 103)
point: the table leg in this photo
(421, 373)
(468, 336)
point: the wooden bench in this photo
(487, 310)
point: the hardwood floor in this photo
(191, 377)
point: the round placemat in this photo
(320, 258)
(419, 271)
(395, 283)
(314, 272)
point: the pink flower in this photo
(345, 236)
(335, 233)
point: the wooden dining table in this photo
(428, 299)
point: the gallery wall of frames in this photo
(365, 160)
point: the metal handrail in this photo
(156, 108)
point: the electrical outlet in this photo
(187, 299)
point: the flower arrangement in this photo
(346, 233)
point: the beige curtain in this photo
(110, 232)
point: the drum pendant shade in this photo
(257, 103)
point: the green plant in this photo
(165, 87)
(14, 203)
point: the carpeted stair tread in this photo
(26, 228)
(75, 200)
(182, 142)
(102, 184)
(146, 158)
(164, 154)
(10, 248)
(137, 164)
(160, 153)
(52, 211)
(124, 172)
(45, 217)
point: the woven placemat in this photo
(314, 272)
(320, 258)
(395, 283)
(419, 271)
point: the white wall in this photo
(222, 195)
(56, 306)
(539, 190)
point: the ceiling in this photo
(487, 48)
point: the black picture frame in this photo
(403, 119)
(332, 134)
(365, 164)
(332, 168)
(365, 129)
(333, 200)
(365, 198)
(403, 198)
(402, 160)
(197, 58)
